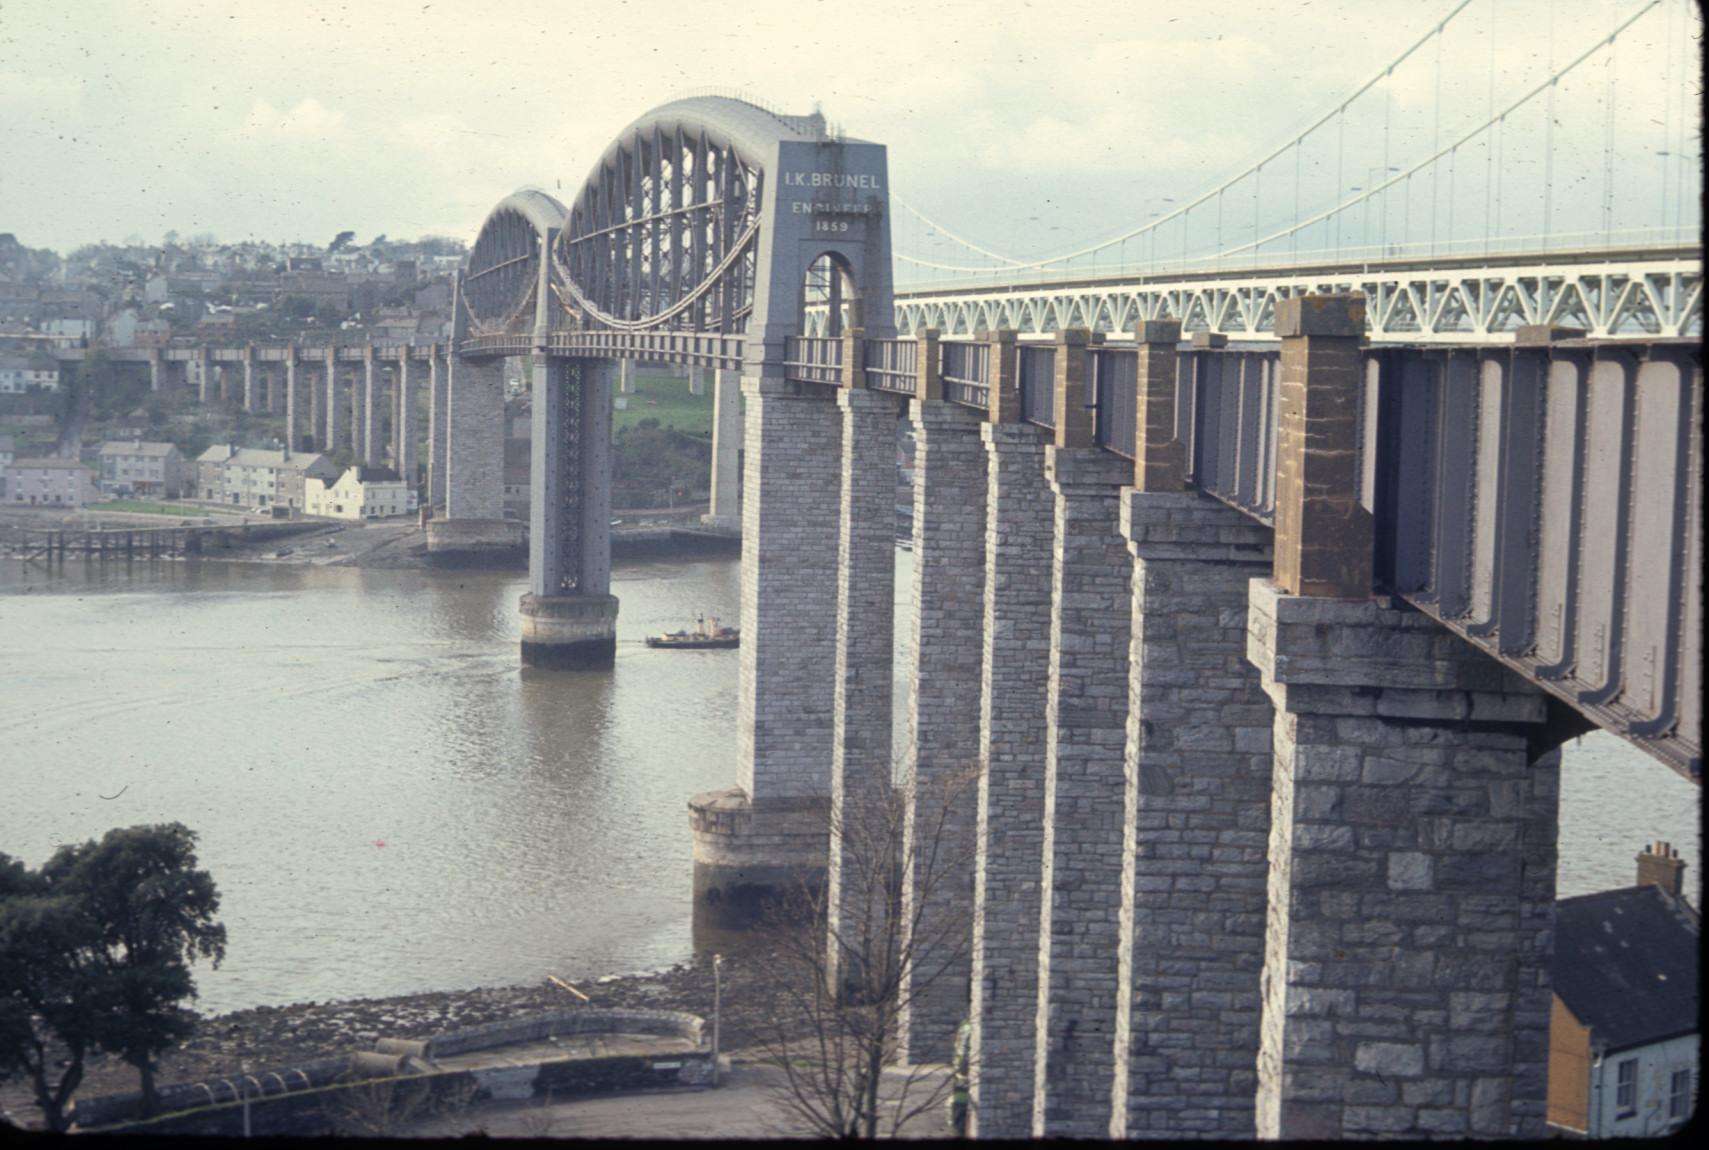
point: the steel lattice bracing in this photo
(1635, 295)
(499, 290)
(664, 236)
(683, 243)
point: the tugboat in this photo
(702, 638)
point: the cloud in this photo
(308, 119)
(28, 88)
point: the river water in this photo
(389, 803)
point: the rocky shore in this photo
(278, 1037)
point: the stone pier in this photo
(332, 409)
(403, 419)
(1009, 834)
(1412, 855)
(1197, 793)
(1086, 721)
(293, 402)
(438, 418)
(940, 762)
(1406, 986)
(569, 616)
(249, 378)
(863, 819)
(767, 837)
(474, 530)
(371, 437)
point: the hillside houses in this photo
(259, 478)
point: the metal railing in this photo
(814, 359)
(1115, 398)
(893, 365)
(1035, 374)
(965, 369)
(1226, 407)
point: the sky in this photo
(1025, 127)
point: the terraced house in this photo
(135, 467)
(259, 477)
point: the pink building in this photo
(50, 483)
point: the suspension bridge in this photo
(1537, 193)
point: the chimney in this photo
(1659, 865)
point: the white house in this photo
(49, 483)
(134, 466)
(1623, 1036)
(18, 375)
(360, 493)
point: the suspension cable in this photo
(951, 235)
(1489, 109)
(1472, 134)
(1296, 138)
(1549, 139)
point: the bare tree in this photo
(845, 970)
(390, 1107)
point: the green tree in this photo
(152, 912)
(95, 954)
(49, 1000)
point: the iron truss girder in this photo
(1636, 298)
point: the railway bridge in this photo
(1253, 606)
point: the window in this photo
(1626, 1094)
(1679, 1095)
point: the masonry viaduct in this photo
(1242, 671)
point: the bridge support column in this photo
(332, 409)
(940, 758)
(768, 836)
(370, 407)
(204, 377)
(626, 376)
(864, 822)
(293, 401)
(358, 425)
(697, 381)
(249, 379)
(1406, 984)
(1412, 881)
(1198, 812)
(403, 420)
(438, 405)
(155, 378)
(474, 531)
(569, 616)
(1009, 835)
(1086, 720)
(726, 509)
(1198, 793)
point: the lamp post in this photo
(717, 1009)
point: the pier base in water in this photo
(569, 632)
(754, 861)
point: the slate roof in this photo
(52, 463)
(134, 447)
(274, 458)
(1626, 965)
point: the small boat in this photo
(702, 638)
